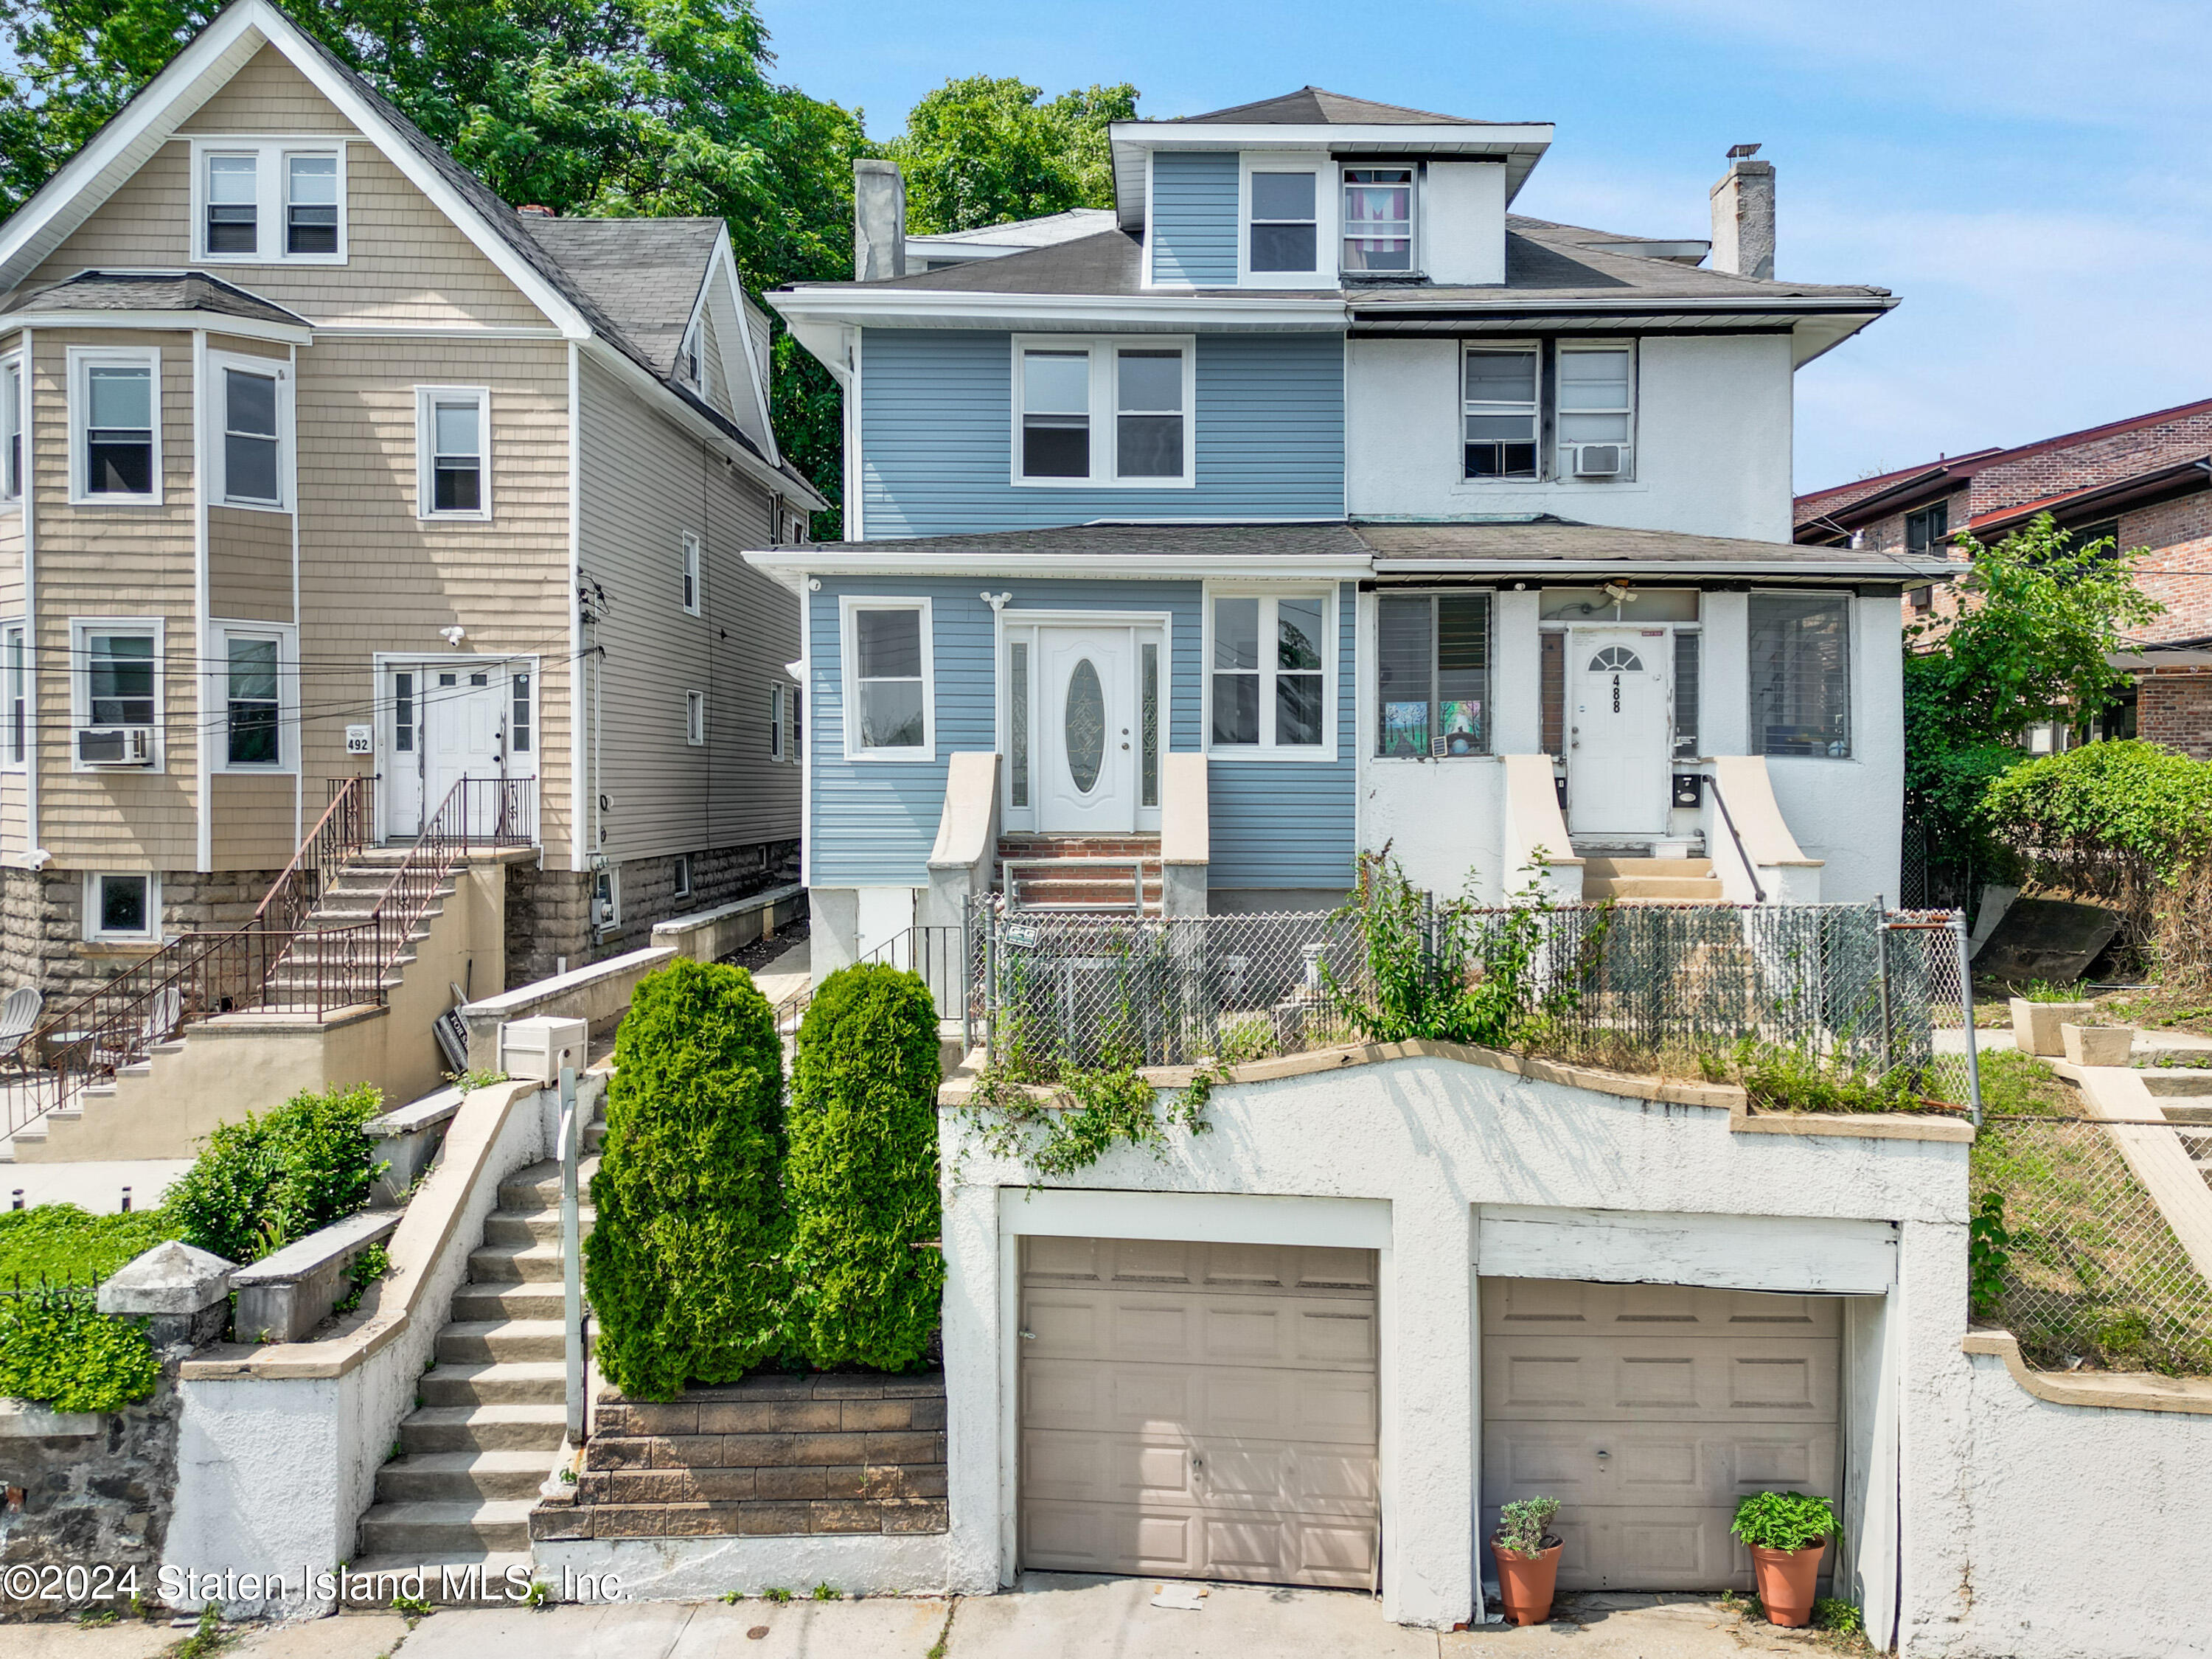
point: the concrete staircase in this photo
(1097, 873)
(349, 900)
(1632, 880)
(491, 1415)
(2184, 1095)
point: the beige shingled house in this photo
(323, 464)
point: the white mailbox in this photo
(534, 1050)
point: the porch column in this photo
(1515, 684)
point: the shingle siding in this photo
(937, 443)
(1192, 225)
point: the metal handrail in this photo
(1751, 870)
(339, 835)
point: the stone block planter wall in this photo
(770, 1456)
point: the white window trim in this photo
(775, 743)
(426, 450)
(8, 763)
(271, 183)
(1331, 626)
(849, 677)
(81, 631)
(1416, 243)
(1105, 405)
(1560, 470)
(605, 921)
(82, 360)
(693, 576)
(216, 408)
(92, 932)
(680, 882)
(1544, 474)
(20, 412)
(1328, 210)
(287, 635)
(695, 719)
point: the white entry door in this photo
(449, 722)
(1087, 740)
(1618, 765)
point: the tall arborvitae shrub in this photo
(862, 1171)
(685, 1265)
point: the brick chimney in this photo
(1743, 215)
(878, 221)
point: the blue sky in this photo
(2033, 177)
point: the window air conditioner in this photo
(115, 745)
(1600, 460)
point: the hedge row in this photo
(730, 1231)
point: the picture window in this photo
(124, 908)
(254, 703)
(1432, 666)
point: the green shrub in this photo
(2125, 798)
(1523, 1525)
(61, 1243)
(58, 1350)
(1792, 1078)
(1783, 1520)
(684, 1264)
(1832, 1612)
(862, 1176)
(272, 1179)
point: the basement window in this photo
(123, 908)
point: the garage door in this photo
(1199, 1411)
(1648, 1411)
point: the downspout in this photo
(204, 844)
(580, 781)
(291, 486)
(35, 855)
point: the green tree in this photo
(598, 107)
(981, 150)
(2038, 617)
(862, 1172)
(684, 1264)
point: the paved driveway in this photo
(1050, 1616)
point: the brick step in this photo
(1073, 847)
(461, 1477)
(467, 1341)
(514, 1425)
(516, 1383)
(413, 1529)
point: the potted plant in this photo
(1527, 1558)
(1787, 1533)
(2041, 1008)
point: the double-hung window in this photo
(115, 691)
(253, 701)
(1104, 411)
(1928, 531)
(1432, 675)
(254, 410)
(11, 429)
(115, 426)
(269, 201)
(14, 664)
(695, 718)
(1269, 676)
(1499, 412)
(1597, 410)
(1378, 219)
(453, 441)
(1801, 674)
(691, 577)
(1283, 229)
(776, 722)
(889, 700)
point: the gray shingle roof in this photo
(1314, 106)
(181, 291)
(1549, 542)
(644, 275)
(1325, 538)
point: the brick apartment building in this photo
(2145, 481)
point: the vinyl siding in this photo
(875, 822)
(249, 565)
(407, 263)
(1193, 228)
(256, 816)
(645, 484)
(937, 436)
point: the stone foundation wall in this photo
(772, 1455)
(548, 912)
(42, 939)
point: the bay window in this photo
(1432, 672)
(252, 407)
(1104, 411)
(115, 426)
(252, 706)
(889, 700)
(16, 666)
(1269, 670)
(1801, 679)
(12, 430)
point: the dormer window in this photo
(269, 201)
(1378, 219)
(1284, 231)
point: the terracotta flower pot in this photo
(1785, 1580)
(1525, 1583)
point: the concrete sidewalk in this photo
(1048, 1616)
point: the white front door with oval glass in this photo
(1087, 733)
(1618, 765)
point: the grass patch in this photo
(2160, 1009)
(2093, 1274)
(1787, 1078)
(64, 1244)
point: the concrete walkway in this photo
(94, 1187)
(1050, 1616)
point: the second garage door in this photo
(1648, 1410)
(1199, 1411)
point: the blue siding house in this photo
(1310, 501)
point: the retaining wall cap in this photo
(301, 1257)
(175, 1278)
(2126, 1391)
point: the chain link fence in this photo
(2084, 1267)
